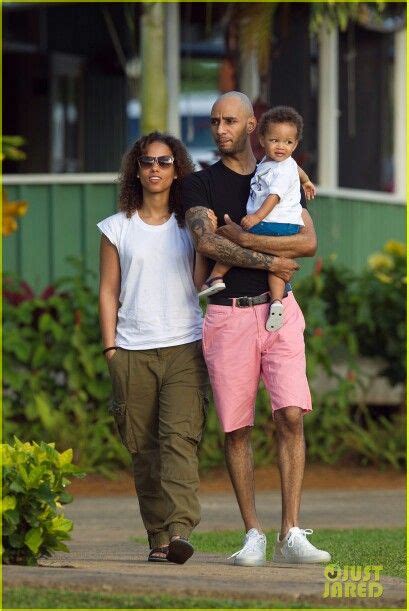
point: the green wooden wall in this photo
(61, 219)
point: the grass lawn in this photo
(386, 547)
(376, 546)
(31, 598)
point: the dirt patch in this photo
(317, 477)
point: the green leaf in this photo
(48, 415)
(61, 524)
(33, 539)
(35, 476)
(66, 498)
(12, 517)
(17, 486)
(45, 322)
(16, 540)
(8, 502)
(40, 356)
(65, 458)
(60, 547)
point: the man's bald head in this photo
(241, 98)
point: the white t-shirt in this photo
(277, 178)
(159, 306)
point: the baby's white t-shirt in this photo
(159, 306)
(277, 178)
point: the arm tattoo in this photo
(220, 249)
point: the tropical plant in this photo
(254, 23)
(11, 149)
(56, 384)
(34, 478)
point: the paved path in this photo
(107, 560)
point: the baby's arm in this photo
(309, 188)
(266, 207)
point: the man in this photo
(237, 347)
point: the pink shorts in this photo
(239, 350)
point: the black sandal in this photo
(158, 550)
(180, 550)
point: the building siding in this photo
(61, 223)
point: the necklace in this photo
(157, 221)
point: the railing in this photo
(64, 209)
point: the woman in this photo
(151, 326)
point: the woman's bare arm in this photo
(109, 289)
(201, 270)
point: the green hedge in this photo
(34, 478)
(57, 386)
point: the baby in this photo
(273, 207)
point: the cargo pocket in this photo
(118, 369)
(199, 415)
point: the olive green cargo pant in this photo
(159, 405)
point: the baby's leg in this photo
(214, 284)
(276, 286)
(276, 316)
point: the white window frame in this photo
(328, 124)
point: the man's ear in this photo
(251, 124)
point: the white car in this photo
(194, 112)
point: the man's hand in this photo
(248, 221)
(231, 230)
(284, 268)
(309, 190)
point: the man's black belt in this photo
(240, 302)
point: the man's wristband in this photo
(110, 348)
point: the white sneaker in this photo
(253, 552)
(296, 549)
(275, 318)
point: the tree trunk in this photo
(173, 66)
(154, 97)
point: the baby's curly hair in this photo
(281, 114)
(131, 194)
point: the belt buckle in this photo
(244, 302)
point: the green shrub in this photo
(56, 382)
(348, 315)
(57, 386)
(371, 306)
(34, 477)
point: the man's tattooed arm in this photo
(218, 248)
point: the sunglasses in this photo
(165, 161)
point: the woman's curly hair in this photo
(131, 194)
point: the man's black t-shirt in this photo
(226, 192)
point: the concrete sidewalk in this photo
(106, 560)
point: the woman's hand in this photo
(212, 219)
(110, 354)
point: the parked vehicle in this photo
(194, 111)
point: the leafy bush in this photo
(348, 315)
(34, 477)
(56, 383)
(370, 305)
